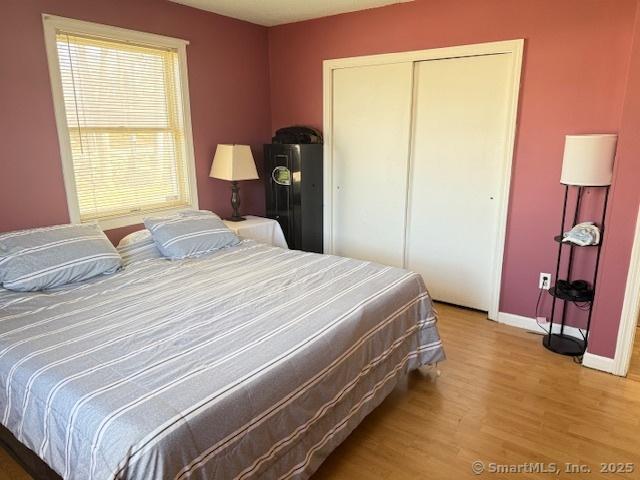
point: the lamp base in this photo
(564, 344)
(235, 203)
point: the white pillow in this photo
(137, 247)
(134, 237)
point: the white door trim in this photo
(514, 47)
(630, 310)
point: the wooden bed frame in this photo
(27, 459)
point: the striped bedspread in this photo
(251, 362)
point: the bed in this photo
(253, 362)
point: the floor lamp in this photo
(587, 163)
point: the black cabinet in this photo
(293, 185)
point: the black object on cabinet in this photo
(293, 187)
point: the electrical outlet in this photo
(545, 281)
(542, 321)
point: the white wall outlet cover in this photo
(545, 281)
(542, 320)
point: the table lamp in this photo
(234, 163)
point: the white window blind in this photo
(126, 128)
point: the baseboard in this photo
(597, 362)
(529, 323)
(590, 360)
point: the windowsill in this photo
(137, 218)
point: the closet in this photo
(419, 162)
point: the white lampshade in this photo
(233, 162)
(588, 159)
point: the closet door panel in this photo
(371, 127)
(459, 131)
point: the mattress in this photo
(254, 362)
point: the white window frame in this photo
(52, 24)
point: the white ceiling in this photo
(276, 12)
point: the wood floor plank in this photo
(501, 398)
(9, 469)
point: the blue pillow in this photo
(49, 257)
(187, 235)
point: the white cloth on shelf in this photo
(585, 233)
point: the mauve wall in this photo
(625, 197)
(228, 84)
(574, 71)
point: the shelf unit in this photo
(561, 342)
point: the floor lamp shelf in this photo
(564, 292)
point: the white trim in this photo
(51, 25)
(60, 114)
(630, 310)
(111, 32)
(406, 215)
(528, 323)
(109, 223)
(471, 50)
(513, 47)
(588, 359)
(597, 362)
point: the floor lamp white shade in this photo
(588, 159)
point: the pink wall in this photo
(228, 83)
(575, 65)
(625, 198)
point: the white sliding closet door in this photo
(371, 127)
(459, 137)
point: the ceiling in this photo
(276, 12)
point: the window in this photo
(124, 130)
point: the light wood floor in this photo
(501, 398)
